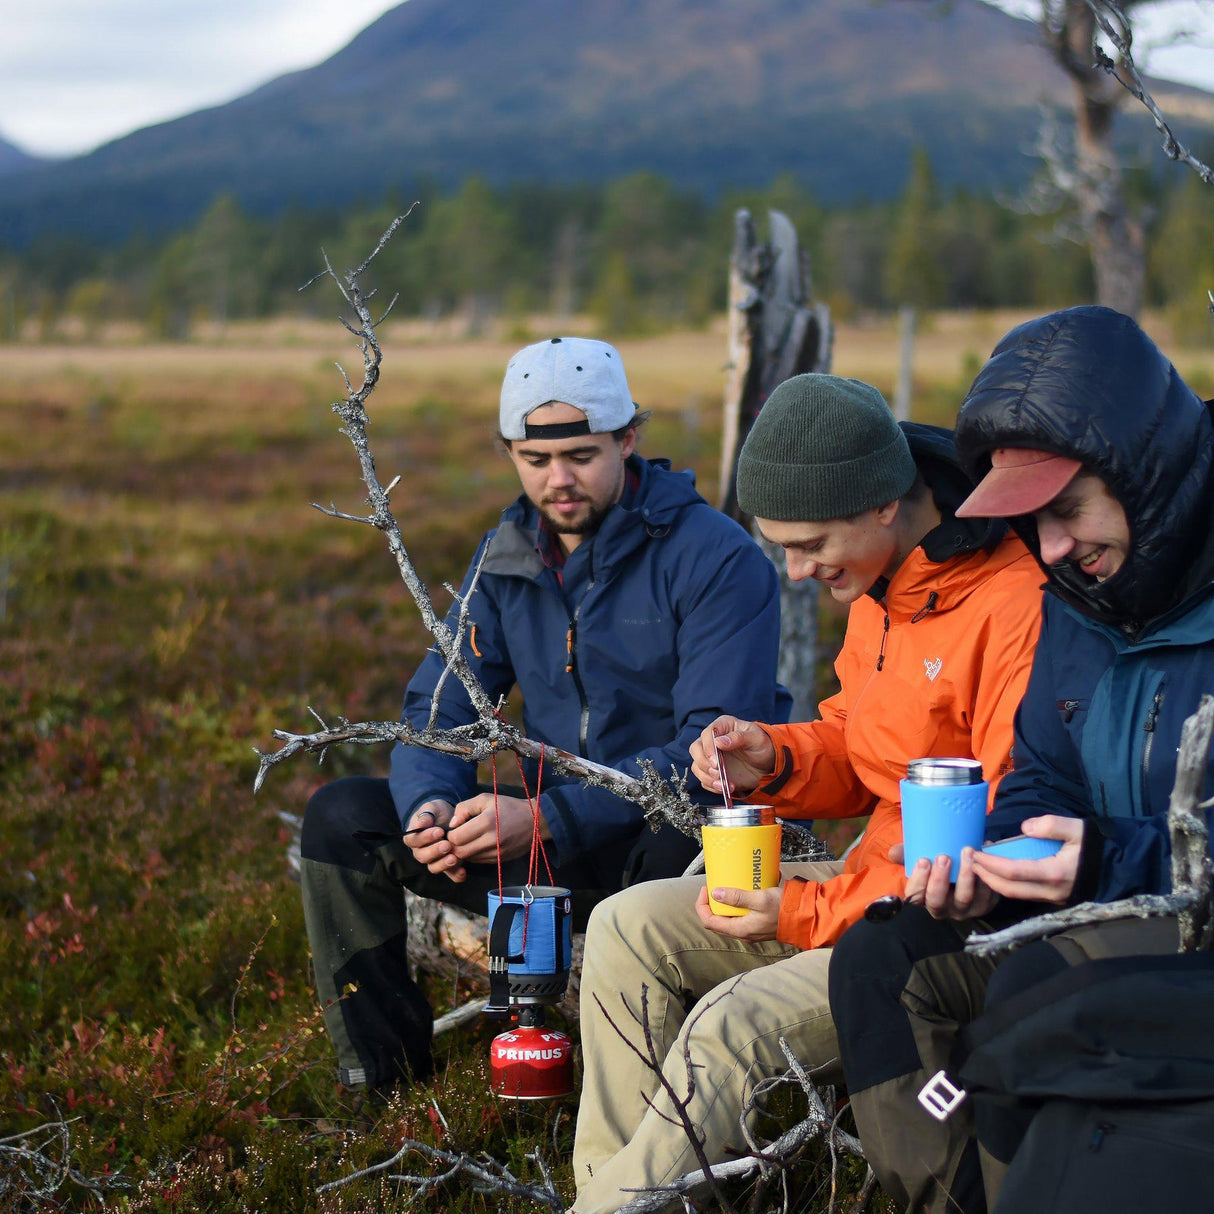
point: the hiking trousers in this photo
(354, 869)
(716, 1002)
(902, 991)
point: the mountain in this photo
(14, 160)
(710, 93)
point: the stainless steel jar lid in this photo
(944, 771)
(739, 815)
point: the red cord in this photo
(538, 851)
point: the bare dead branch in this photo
(774, 1158)
(1143, 906)
(485, 1175)
(649, 1056)
(1115, 25)
(1189, 833)
(36, 1164)
(476, 741)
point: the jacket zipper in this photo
(583, 729)
(1149, 730)
(884, 634)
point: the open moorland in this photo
(168, 597)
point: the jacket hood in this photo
(1089, 384)
(937, 576)
(935, 454)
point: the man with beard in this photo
(629, 614)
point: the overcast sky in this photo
(77, 73)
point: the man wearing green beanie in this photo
(942, 620)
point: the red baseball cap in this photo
(1020, 481)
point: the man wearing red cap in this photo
(1081, 432)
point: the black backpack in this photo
(1111, 1065)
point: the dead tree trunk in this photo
(1114, 237)
(775, 332)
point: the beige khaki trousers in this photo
(721, 1003)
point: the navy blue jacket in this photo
(665, 618)
(1121, 664)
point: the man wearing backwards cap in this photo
(942, 618)
(1082, 433)
(628, 612)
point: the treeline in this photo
(638, 254)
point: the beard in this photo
(586, 522)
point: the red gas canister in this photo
(531, 1062)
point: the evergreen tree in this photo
(913, 274)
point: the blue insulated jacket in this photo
(1121, 664)
(665, 618)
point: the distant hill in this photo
(14, 160)
(710, 93)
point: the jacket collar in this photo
(657, 498)
(941, 571)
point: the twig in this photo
(649, 1056)
(28, 1170)
(1116, 27)
(817, 1123)
(486, 1175)
(489, 733)
(461, 629)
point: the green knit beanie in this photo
(822, 448)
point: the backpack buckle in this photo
(940, 1096)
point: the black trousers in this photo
(354, 867)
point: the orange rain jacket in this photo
(937, 668)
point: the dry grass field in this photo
(167, 598)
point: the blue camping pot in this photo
(530, 946)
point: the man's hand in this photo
(760, 924)
(426, 835)
(746, 752)
(930, 885)
(983, 879)
(475, 829)
(1048, 880)
(468, 834)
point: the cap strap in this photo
(558, 429)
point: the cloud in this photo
(75, 73)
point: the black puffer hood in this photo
(1088, 383)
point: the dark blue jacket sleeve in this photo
(728, 642)
(1122, 856)
(1047, 777)
(417, 774)
(1135, 858)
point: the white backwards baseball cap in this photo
(587, 374)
